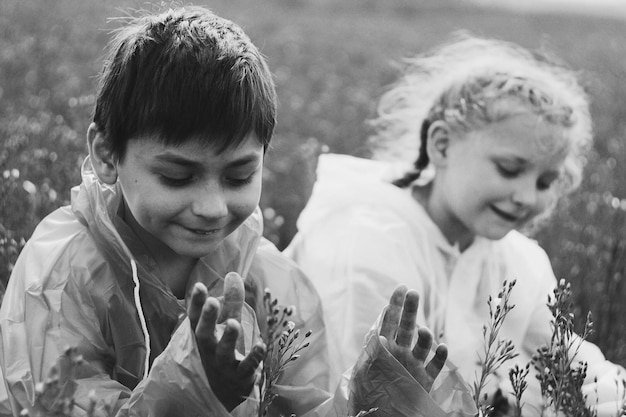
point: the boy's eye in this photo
(240, 180)
(175, 181)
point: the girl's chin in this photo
(498, 235)
(494, 233)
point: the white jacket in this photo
(360, 236)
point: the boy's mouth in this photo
(204, 232)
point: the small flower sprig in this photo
(560, 380)
(283, 344)
(517, 377)
(497, 351)
(55, 395)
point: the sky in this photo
(609, 8)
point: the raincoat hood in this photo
(97, 205)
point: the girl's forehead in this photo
(527, 134)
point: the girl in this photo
(501, 135)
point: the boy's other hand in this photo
(396, 333)
(230, 374)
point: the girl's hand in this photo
(396, 333)
(230, 374)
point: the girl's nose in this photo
(525, 193)
(210, 201)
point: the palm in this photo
(397, 331)
(231, 375)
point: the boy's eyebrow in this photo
(176, 159)
(246, 159)
(181, 160)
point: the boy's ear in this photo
(101, 159)
(438, 142)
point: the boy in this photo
(142, 274)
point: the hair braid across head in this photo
(465, 83)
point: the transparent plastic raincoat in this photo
(360, 236)
(84, 280)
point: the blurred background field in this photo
(331, 60)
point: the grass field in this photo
(331, 60)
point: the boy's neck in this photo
(176, 273)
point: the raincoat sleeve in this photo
(355, 273)
(45, 311)
(178, 386)
(49, 306)
(379, 381)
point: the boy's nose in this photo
(210, 202)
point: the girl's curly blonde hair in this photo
(465, 83)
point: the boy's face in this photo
(188, 198)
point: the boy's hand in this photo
(230, 375)
(396, 333)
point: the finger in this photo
(438, 361)
(383, 341)
(250, 363)
(205, 330)
(424, 342)
(199, 294)
(391, 315)
(234, 295)
(225, 350)
(406, 330)
(63, 367)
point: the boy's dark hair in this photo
(184, 73)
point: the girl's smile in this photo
(508, 217)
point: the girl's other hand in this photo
(397, 330)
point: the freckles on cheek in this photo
(245, 209)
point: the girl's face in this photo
(496, 178)
(187, 199)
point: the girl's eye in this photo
(543, 185)
(545, 182)
(508, 171)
